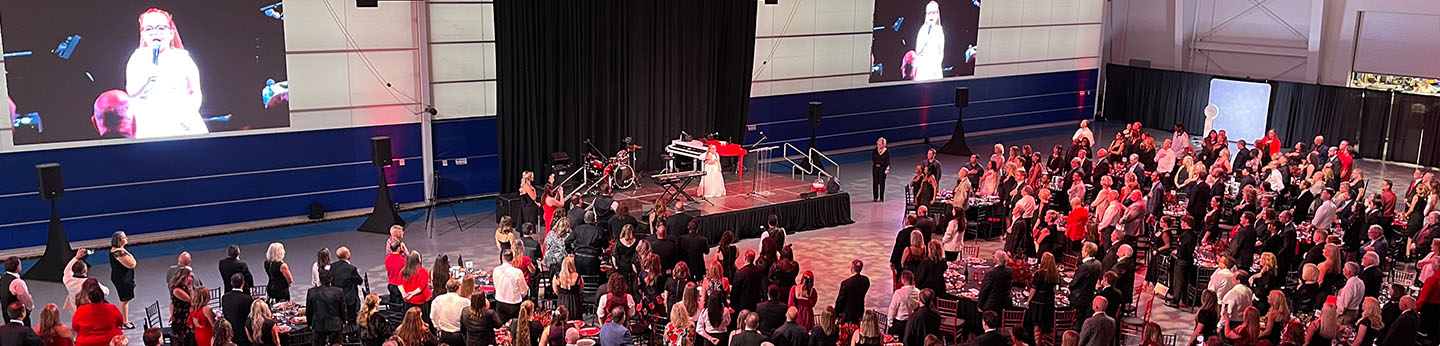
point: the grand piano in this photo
(695, 150)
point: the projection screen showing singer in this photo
(83, 70)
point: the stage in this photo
(743, 212)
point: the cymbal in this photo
(634, 147)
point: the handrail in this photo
(814, 152)
(785, 154)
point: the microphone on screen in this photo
(155, 59)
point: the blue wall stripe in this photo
(159, 186)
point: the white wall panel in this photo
(461, 22)
(458, 100)
(318, 81)
(462, 62)
(396, 67)
(309, 25)
(392, 25)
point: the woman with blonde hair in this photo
(914, 255)
(1323, 329)
(826, 332)
(1330, 268)
(658, 213)
(1265, 279)
(1248, 332)
(868, 333)
(524, 330)
(224, 333)
(202, 317)
(555, 244)
(1276, 318)
(413, 331)
(51, 331)
(279, 272)
(1370, 325)
(680, 331)
(568, 284)
(374, 329)
(262, 330)
(1207, 318)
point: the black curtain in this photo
(1419, 123)
(1299, 112)
(1156, 98)
(568, 71)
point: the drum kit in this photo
(617, 171)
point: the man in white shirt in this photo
(510, 287)
(16, 290)
(79, 271)
(445, 311)
(1325, 214)
(1353, 293)
(904, 301)
(1220, 281)
(1238, 298)
(929, 50)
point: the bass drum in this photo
(622, 177)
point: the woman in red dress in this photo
(51, 332)
(552, 200)
(95, 323)
(802, 298)
(202, 318)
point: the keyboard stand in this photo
(676, 188)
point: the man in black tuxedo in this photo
(662, 244)
(1316, 254)
(924, 321)
(1125, 271)
(587, 246)
(995, 292)
(791, 333)
(693, 248)
(14, 332)
(1087, 276)
(749, 285)
(992, 336)
(1102, 166)
(231, 265)
(576, 214)
(1373, 278)
(235, 304)
(1242, 245)
(925, 222)
(679, 222)
(772, 311)
(1401, 331)
(1111, 294)
(324, 308)
(850, 302)
(347, 278)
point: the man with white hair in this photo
(995, 290)
(1353, 293)
(1084, 132)
(1371, 276)
(1377, 242)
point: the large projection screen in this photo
(82, 70)
(924, 39)
(1243, 108)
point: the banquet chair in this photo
(950, 322)
(909, 200)
(1402, 277)
(1168, 339)
(154, 320)
(1010, 319)
(302, 337)
(1064, 320)
(215, 294)
(1134, 325)
(970, 251)
(260, 293)
(1069, 262)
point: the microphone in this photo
(684, 133)
(155, 58)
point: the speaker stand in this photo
(51, 266)
(384, 214)
(956, 145)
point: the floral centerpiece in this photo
(1021, 273)
(846, 332)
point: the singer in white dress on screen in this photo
(163, 81)
(930, 45)
(712, 184)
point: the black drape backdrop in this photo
(568, 71)
(1380, 123)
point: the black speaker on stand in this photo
(956, 145)
(51, 266)
(815, 115)
(384, 214)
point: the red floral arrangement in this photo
(846, 332)
(1021, 274)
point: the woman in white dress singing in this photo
(712, 184)
(163, 81)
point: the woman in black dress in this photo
(554, 334)
(785, 270)
(624, 252)
(122, 275)
(568, 285)
(1042, 295)
(728, 253)
(180, 308)
(925, 187)
(529, 203)
(881, 159)
(279, 273)
(825, 333)
(1207, 319)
